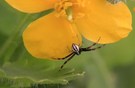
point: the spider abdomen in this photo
(76, 49)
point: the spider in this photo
(115, 1)
(76, 50)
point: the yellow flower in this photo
(52, 35)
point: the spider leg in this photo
(94, 43)
(92, 49)
(65, 56)
(67, 61)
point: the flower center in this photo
(64, 9)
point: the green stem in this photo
(104, 73)
(10, 44)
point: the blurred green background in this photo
(113, 66)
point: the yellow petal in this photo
(111, 22)
(31, 6)
(51, 37)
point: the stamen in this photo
(63, 9)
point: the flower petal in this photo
(111, 22)
(51, 37)
(31, 6)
